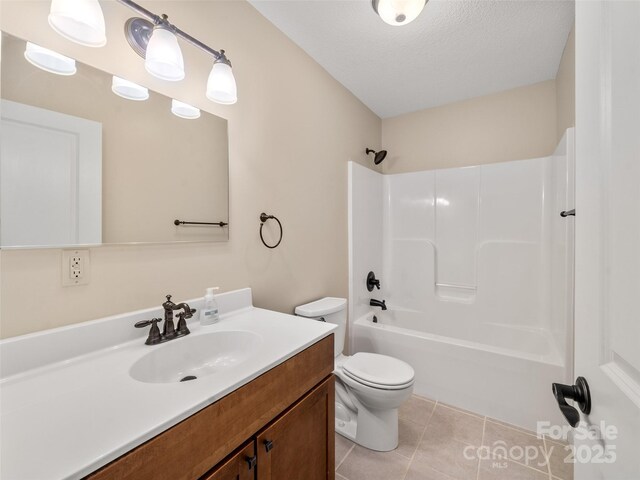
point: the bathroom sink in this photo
(194, 357)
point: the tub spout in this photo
(378, 303)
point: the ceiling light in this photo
(163, 57)
(221, 85)
(184, 110)
(48, 60)
(398, 12)
(80, 21)
(129, 90)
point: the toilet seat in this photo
(378, 371)
(376, 386)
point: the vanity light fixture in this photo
(163, 57)
(151, 37)
(48, 60)
(129, 90)
(155, 39)
(398, 12)
(80, 21)
(221, 85)
(184, 110)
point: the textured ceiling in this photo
(456, 49)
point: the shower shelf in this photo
(456, 293)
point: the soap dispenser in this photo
(209, 312)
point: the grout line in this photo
(433, 409)
(512, 427)
(520, 430)
(527, 466)
(466, 412)
(532, 468)
(345, 456)
(484, 425)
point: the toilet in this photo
(369, 387)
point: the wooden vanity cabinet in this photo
(299, 445)
(291, 406)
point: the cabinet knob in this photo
(251, 461)
(268, 445)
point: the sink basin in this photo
(190, 358)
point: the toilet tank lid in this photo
(324, 306)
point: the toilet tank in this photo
(331, 310)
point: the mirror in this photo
(81, 165)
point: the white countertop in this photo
(65, 420)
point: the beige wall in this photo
(511, 125)
(290, 136)
(566, 87)
(150, 176)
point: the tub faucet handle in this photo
(372, 281)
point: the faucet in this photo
(378, 303)
(169, 331)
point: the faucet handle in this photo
(146, 323)
(188, 311)
(181, 328)
(154, 334)
(372, 282)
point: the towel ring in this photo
(263, 218)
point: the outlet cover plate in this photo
(76, 267)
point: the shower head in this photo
(378, 156)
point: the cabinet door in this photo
(300, 444)
(238, 466)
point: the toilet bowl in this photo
(369, 387)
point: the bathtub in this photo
(492, 369)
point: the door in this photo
(240, 465)
(50, 178)
(607, 280)
(300, 444)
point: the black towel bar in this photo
(217, 224)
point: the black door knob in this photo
(579, 393)
(268, 445)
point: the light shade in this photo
(80, 21)
(49, 60)
(398, 12)
(221, 86)
(129, 90)
(164, 57)
(184, 110)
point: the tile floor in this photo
(434, 439)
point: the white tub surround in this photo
(70, 405)
(479, 259)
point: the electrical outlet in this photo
(76, 267)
